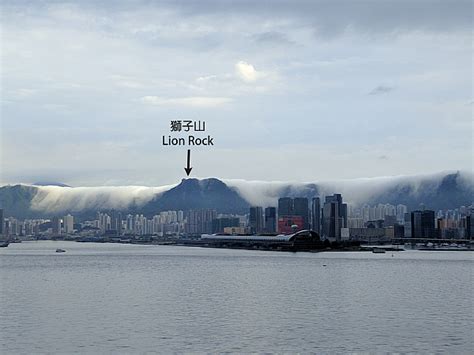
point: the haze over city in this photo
(290, 93)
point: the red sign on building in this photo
(290, 224)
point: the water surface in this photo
(131, 298)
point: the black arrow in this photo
(188, 168)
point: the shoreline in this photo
(379, 248)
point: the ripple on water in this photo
(107, 298)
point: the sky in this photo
(290, 91)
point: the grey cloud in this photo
(328, 17)
(332, 17)
(272, 38)
(381, 89)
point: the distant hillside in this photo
(16, 200)
(198, 194)
(441, 191)
(449, 193)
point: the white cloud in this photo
(247, 72)
(56, 199)
(245, 80)
(193, 101)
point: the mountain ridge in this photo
(440, 191)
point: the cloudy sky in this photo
(304, 91)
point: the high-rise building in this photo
(316, 215)
(423, 224)
(270, 220)
(334, 217)
(104, 221)
(256, 223)
(219, 224)
(68, 222)
(389, 220)
(401, 210)
(300, 208)
(129, 223)
(407, 225)
(366, 213)
(291, 208)
(390, 210)
(116, 222)
(285, 206)
(56, 226)
(469, 226)
(200, 221)
(2, 222)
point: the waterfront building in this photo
(469, 226)
(200, 221)
(56, 226)
(367, 234)
(366, 215)
(256, 220)
(407, 225)
(116, 222)
(270, 220)
(289, 208)
(316, 215)
(13, 227)
(379, 223)
(390, 210)
(334, 217)
(399, 231)
(355, 222)
(300, 208)
(285, 206)
(401, 210)
(68, 222)
(235, 230)
(219, 224)
(129, 224)
(299, 241)
(423, 224)
(389, 220)
(104, 221)
(2, 222)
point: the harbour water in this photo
(138, 298)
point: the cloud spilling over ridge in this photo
(56, 199)
(354, 191)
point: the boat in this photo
(378, 250)
(4, 244)
(60, 250)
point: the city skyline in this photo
(336, 220)
(90, 88)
